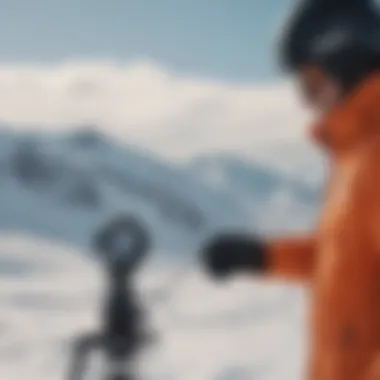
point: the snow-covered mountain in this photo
(63, 186)
(275, 201)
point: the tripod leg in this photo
(120, 357)
(82, 348)
(123, 375)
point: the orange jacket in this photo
(341, 260)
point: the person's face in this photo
(319, 91)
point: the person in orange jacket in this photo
(333, 47)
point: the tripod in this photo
(123, 332)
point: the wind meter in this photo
(122, 244)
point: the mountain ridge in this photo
(63, 186)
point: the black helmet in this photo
(340, 36)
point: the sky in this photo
(178, 78)
(225, 39)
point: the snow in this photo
(242, 329)
(51, 287)
(64, 186)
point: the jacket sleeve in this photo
(292, 258)
(372, 187)
(374, 369)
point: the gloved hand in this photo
(226, 254)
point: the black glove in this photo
(226, 254)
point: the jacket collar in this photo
(353, 122)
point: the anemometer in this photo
(122, 245)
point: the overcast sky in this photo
(228, 39)
(178, 77)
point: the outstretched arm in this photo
(285, 258)
(292, 258)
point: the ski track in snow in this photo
(239, 330)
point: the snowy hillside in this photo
(63, 186)
(237, 331)
(276, 202)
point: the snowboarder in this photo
(333, 48)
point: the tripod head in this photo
(122, 245)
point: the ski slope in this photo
(236, 331)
